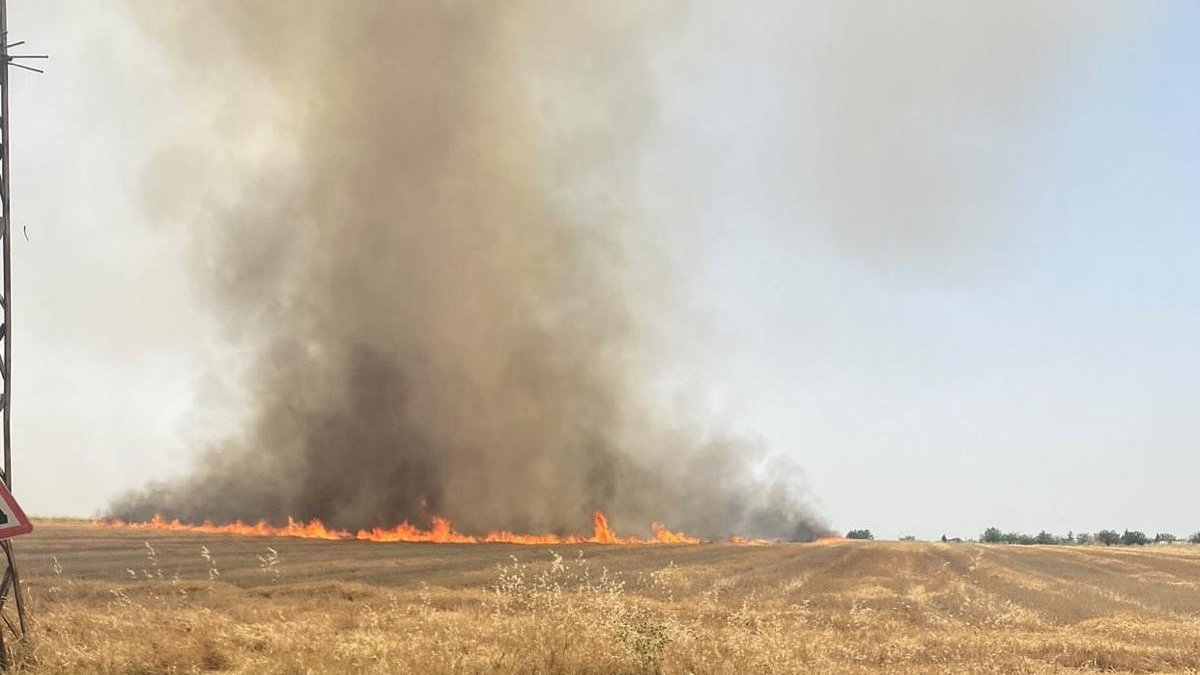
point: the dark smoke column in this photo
(434, 271)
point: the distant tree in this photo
(992, 535)
(1134, 538)
(1070, 537)
(1194, 539)
(1019, 538)
(1084, 538)
(943, 538)
(908, 537)
(1166, 537)
(859, 534)
(1045, 537)
(1108, 537)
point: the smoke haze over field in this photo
(418, 222)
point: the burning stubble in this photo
(416, 217)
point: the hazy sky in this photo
(945, 257)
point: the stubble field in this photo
(112, 601)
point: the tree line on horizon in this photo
(993, 535)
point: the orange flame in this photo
(665, 536)
(441, 531)
(750, 541)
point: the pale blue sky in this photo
(947, 261)
(1034, 364)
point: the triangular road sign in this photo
(13, 520)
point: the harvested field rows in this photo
(139, 602)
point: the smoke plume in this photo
(418, 221)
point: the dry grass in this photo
(115, 602)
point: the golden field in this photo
(118, 601)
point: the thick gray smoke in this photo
(417, 220)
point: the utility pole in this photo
(10, 585)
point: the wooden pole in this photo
(5, 192)
(12, 581)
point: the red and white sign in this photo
(13, 520)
